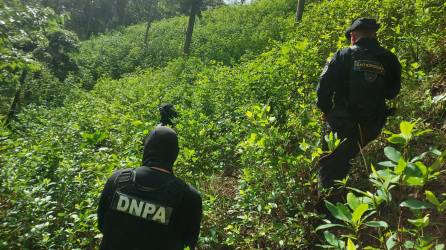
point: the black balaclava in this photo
(167, 113)
(160, 148)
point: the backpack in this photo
(154, 205)
(366, 83)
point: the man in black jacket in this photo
(351, 94)
(148, 207)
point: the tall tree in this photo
(15, 105)
(300, 10)
(194, 7)
(120, 6)
(157, 9)
(153, 13)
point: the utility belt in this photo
(367, 112)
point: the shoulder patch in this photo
(147, 210)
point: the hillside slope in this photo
(224, 34)
(249, 131)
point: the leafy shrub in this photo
(249, 132)
(364, 223)
(224, 34)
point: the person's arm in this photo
(327, 85)
(192, 220)
(394, 77)
(105, 200)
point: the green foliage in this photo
(88, 18)
(224, 35)
(411, 172)
(249, 131)
(353, 215)
(332, 141)
(34, 56)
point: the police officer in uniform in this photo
(148, 207)
(351, 94)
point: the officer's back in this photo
(337, 81)
(148, 207)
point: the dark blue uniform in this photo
(334, 100)
(148, 207)
(122, 230)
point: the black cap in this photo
(160, 148)
(362, 24)
(167, 112)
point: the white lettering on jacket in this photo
(140, 208)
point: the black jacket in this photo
(331, 91)
(125, 231)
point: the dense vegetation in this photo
(35, 57)
(223, 35)
(249, 131)
(87, 18)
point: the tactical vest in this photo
(366, 83)
(149, 206)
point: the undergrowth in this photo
(249, 132)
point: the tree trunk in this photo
(16, 101)
(190, 27)
(300, 10)
(151, 16)
(146, 36)
(87, 31)
(120, 11)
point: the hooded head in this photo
(161, 148)
(362, 24)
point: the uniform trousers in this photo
(354, 134)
